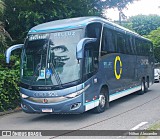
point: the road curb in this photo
(10, 111)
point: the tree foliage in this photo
(3, 33)
(154, 36)
(119, 4)
(9, 82)
(21, 15)
(149, 27)
(2, 6)
(143, 24)
(157, 54)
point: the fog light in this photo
(75, 106)
(24, 106)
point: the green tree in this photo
(3, 33)
(119, 4)
(21, 15)
(154, 36)
(143, 24)
(1, 7)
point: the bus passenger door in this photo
(90, 68)
(91, 60)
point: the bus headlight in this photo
(77, 93)
(23, 95)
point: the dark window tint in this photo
(108, 41)
(143, 47)
(132, 45)
(138, 47)
(151, 53)
(94, 30)
(90, 61)
(121, 43)
(128, 45)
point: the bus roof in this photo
(71, 23)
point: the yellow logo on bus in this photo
(118, 76)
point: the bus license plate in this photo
(47, 110)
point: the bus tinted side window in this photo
(137, 45)
(133, 45)
(93, 30)
(90, 60)
(150, 49)
(128, 45)
(121, 43)
(147, 46)
(141, 47)
(108, 41)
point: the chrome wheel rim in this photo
(142, 86)
(102, 101)
(146, 84)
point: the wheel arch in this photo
(105, 88)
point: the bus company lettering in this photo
(45, 94)
(108, 64)
(65, 34)
(37, 37)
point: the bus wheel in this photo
(103, 102)
(143, 88)
(146, 85)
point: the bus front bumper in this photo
(72, 105)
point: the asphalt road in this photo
(130, 112)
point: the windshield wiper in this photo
(56, 75)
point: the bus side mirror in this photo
(81, 45)
(10, 49)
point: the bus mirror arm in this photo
(81, 45)
(10, 49)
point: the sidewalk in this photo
(11, 111)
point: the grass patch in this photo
(155, 126)
(142, 137)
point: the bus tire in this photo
(103, 101)
(143, 88)
(146, 85)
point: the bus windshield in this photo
(50, 59)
